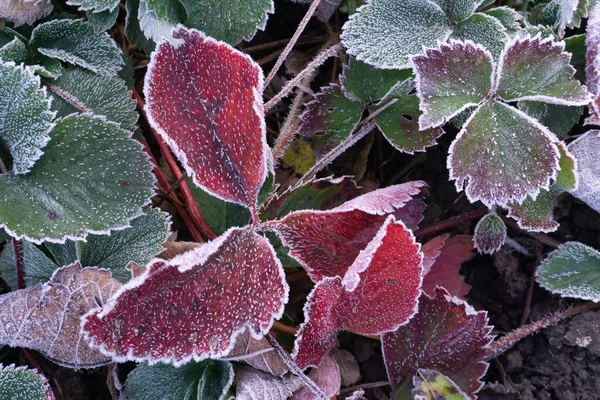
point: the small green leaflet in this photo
(365, 83)
(26, 115)
(103, 20)
(155, 27)
(20, 383)
(92, 179)
(573, 270)
(559, 119)
(77, 42)
(15, 51)
(490, 233)
(483, 29)
(37, 266)
(95, 6)
(206, 380)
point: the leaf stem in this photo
(371, 385)
(281, 327)
(186, 194)
(449, 223)
(292, 42)
(18, 251)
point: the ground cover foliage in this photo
(215, 200)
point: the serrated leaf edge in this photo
(494, 249)
(35, 373)
(93, 9)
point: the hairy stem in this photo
(454, 221)
(18, 250)
(371, 385)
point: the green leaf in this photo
(139, 243)
(48, 68)
(457, 10)
(157, 27)
(37, 266)
(489, 234)
(559, 119)
(15, 51)
(539, 70)
(365, 83)
(133, 31)
(508, 17)
(207, 380)
(76, 42)
(63, 254)
(576, 46)
(399, 121)
(169, 10)
(573, 270)
(26, 116)
(80, 90)
(450, 79)
(504, 154)
(20, 383)
(228, 20)
(385, 33)
(92, 179)
(104, 20)
(431, 385)
(95, 5)
(484, 30)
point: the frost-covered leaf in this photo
(431, 385)
(95, 6)
(385, 33)
(484, 30)
(38, 268)
(204, 98)
(573, 270)
(26, 116)
(508, 17)
(86, 158)
(76, 42)
(446, 335)
(586, 150)
(16, 51)
(47, 318)
(157, 19)
(48, 67)
(399, 122)
(24, 11)
(104, 20)
(133, 31)
(327, 242)
(79, 90)
(377, 294)
(576, 46)
(592, 68)
(538, 69)
(450, 79)
(326, 376)
(504, 155)
(206, 380)
(210, 295)
(560, 14)
(537, 215)
(365, 83)
(558, 118)
(229, 20)
(489, 234)
(265, 357)
(252, 384)
(20, 383)
(443, 257)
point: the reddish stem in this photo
(19, 263)
(186, 194)
(449, 223)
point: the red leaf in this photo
(326, 243)
(204, 98)
(194, 305)
(326, 376)
(378, 293)
(443, 256)
(446, 335)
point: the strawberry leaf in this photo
(365, 83)
(103, 20)
(47, 318)
(457, 10)
(592, 64)
(326, 243)
(586, 149)
(20, 383)
(450, 79)
(207, 380)
(538, 69)
(378, 294)
(94, 5)
(508, 17)
(26, 116)
(210, 294)
(573, 270)
(430, 385)
(443, 257)
(38, 268)
(504, 154)
(76, 42)
(447, 336)
(268, 361)
(559, 119)
(326, 376)
(252, 384)
(484, 30)
(24, 12)
(490, 234)
(206, 128)
(45, 204)
(385, 33)
(16, 51)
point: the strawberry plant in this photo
(207, 239)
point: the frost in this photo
(364, 83)
(259, 354)
(25, 117)
(490, 234)
(252, 384)
(573, 270)
(20, 383)
(326, 376)
(15, 51)
(586, 151)
(47, 318)
(24, 11)
(482, 29)
(38, 268)
(592, 65)
(95, 6)
(154, 27)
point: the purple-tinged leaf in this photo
(252, 384)
(326, 376)
(586, 150)
(446, 335)
(431, 385)
(490, 234)
(592, 64)
(326, 243)
(537, 215)
(450, 79)
(47, 318)
(443, 257)
(259, 354)
(503, 155)
(378, 293)
(538, 69)
(20, 383)
(204, 98)
(204, 299)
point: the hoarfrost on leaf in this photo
(364, 83)
(95, 6)
(592, 65)
(24, 11)
(586, 150)
(484, 30)
(20, 383)
(490, 233)
(326, 376)
(252, 384)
